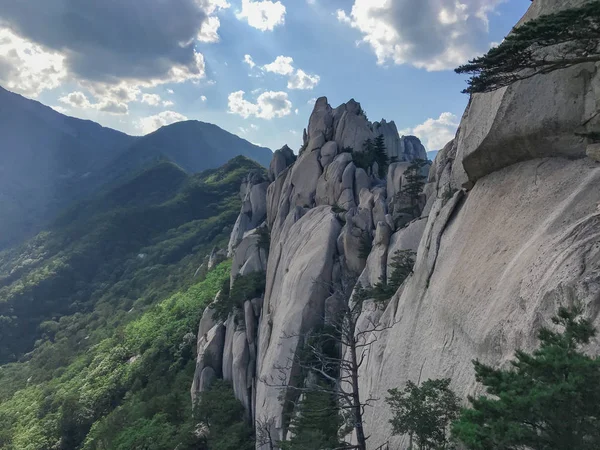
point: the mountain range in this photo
(49, 160)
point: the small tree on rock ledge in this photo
(539, 46)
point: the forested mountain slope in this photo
(100, 311)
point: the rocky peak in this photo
(349, 127)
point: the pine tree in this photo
(425, 413)
(415, 182)
(380, 155)
(548, 400)
(539, 46)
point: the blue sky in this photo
(135, 69)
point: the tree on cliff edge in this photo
(539, 46)
(548, 400)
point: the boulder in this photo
(250, 322)
(330, 184)
(248, 256)
(282, 159)
(210, 351)
(227, 361)
(407, 238)
(328, 152)
(241, 359)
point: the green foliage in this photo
(415, 182)
(337, 209)
(425, 413)
(539, 46)
(245, 287)
(264, 239)
(365, 246)
(115, 252)
(315, 423)
(132, 387)
(110, 299)
(223, 415)
(448, 194)
(549, 399)
(402, 266)
(373, 152)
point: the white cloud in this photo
(263, 15)
(170, 91)
(298, 79)
(296, 111)
(203, 98)
(428, 34)
(76, 100)
(152, 123)
(167, 103)
(268, 105)
(79, 100)
(294, 132)
(254, 127)
(282, 66)
(28, 68)
(248, 60)
(151, 99)
(209, 30)
(435, 133)
(302, 80)
(312, 101)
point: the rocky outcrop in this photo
(254, 208)
(210, 351)
(543, 116)
(282, 159)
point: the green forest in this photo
(98, 314)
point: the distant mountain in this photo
(432, 154)
(43, 155)
(194, 146)
(49, 160)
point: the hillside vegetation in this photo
(98, 314)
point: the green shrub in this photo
(245, 287)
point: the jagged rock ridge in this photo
(509, 229)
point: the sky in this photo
(252, 67)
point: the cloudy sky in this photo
(252, 67)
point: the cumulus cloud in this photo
(282, 66)
(104, 46)
(302, 80)
(209, 30)
(435, 133)
(151, 99)
(79, 100)
(152, 123)
(263, 15)
(76, 100)
(170, 91)
(268, 105)
(248, 60)
(29, 68)
(297, 78)
(428, 34)
(167, 103)
(203, 98)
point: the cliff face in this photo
(509, 229)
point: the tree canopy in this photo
(548, 400)
(539, 46)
